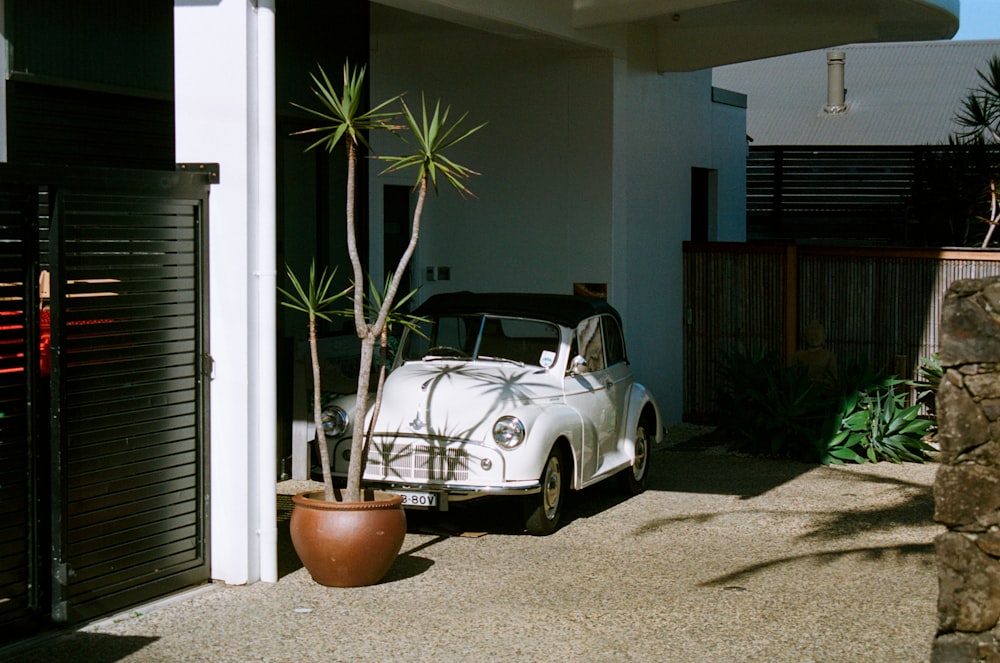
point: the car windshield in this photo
(485, 337)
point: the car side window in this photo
(589, 345)
(614, 342)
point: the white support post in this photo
(224, 109)
(263, 248)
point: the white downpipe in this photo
(262, 239)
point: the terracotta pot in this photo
(347, 544)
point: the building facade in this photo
(606, 145)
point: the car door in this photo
(586, 388)
(616, 376)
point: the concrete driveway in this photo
(724, 558)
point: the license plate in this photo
(412, 498)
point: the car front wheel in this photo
(633, 479)
(543, 509)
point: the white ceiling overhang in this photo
(697, 34)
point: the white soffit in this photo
(698, 34)
(695, 34)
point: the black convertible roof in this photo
(567, 310)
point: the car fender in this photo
(337, 445)
(638, 399)
(544, 427)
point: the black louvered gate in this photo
(104, 446)
(21, 543)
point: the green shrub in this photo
(873, 423)
(774, 410)
(930, 373)
(770, 409)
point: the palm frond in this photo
(314, 298)
(432, 134)
(341, 110)
(397, 313)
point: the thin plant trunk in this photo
(324, 453)
(994, 215)
(377, 406)
(369, 334)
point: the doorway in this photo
(704, 205)
(396, 231)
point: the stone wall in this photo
(967, 488)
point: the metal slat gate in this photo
(103, 396)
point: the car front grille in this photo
(417, 462)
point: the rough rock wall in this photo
(967, 487)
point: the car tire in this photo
(634, 478)
(543, 509)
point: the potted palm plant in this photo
(430, 135)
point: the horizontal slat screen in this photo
(129, 357)
(15, 531)
(890, 195)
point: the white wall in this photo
(539, 219)
(666, 133)
(729, 154)
(224, 104)
(586, 176)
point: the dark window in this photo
(614, 344)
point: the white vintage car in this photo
(525, 395)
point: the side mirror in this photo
(577, 365)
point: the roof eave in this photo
(698, 34)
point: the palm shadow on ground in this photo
(697, 466)
(702, 467)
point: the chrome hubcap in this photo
(639, 467)
(552, 487)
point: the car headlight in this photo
(335, 421)
(508, 432)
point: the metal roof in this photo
(897, 94)
(567, 310)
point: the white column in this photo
(263, 248)
(222, 117)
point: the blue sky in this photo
(979, 19)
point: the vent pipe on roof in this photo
(836, 94)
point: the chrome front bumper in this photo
(453, 493)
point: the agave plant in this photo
(431, 135)
(771, 409)
(878, 427)
(931, 373)
(874, 423)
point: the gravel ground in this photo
(724, 558)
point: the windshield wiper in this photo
(502, 359)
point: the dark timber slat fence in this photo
(892, 195)
(881, 306)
